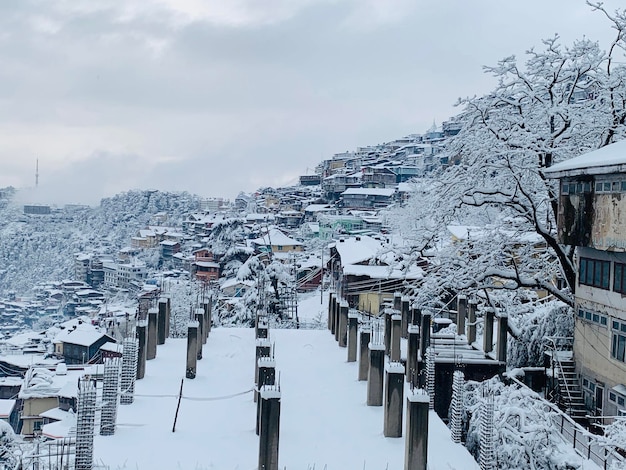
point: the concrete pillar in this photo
(472, 307)
(489, 315)
(269, 428)
(394, 399)
(397, 301)
(192, 349)
(353, 325)
(263, 349)
(151, 351)
(336, 310)
(200, 320)
(461, 314)
(375, 375)
(416, 316)
(267, 376)
(411, 355)
(365, 336)
(503, 325)
(424, 334)
(206, 307)
(331, 295)
(161, 320)
(416, 444)
(141, 348)
(405, 312)
(168, 314)
(387, 317)
(262, 329)
(343, 324)
(396, 333)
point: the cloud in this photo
(216, 97)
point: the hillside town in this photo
(450, 299)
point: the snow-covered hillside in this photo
(40, 248)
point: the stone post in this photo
(192, 349)
(416, 315)
(331, 296)
(200, 320)
(394, 399)
(206, 307)
(387, 338)
(424, 334)
(365, 336)
(168, 314)
(397, 301)
(151, 351)
(503, 325)
(336, 317)
(267, 376)
(472, 306)
(343, 324)
(405, 312)
(262, 329)
(142, 348)
(396, 333)
(489, 315)
(161, 320)
(416, 444)
(375, 375)
(263, 349)
(269, 428)
(461, 314)
(353, 325)
(413, 346)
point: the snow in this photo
(608, 159)
(324, 418)
(388, 192)
(353, 250)
(275, 237)
(6, 407)
(382, 272)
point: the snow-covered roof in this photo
(275, 237)
(83, 335)
(387, 192)
(354, 250)
(608, 159)
(6, 407)
(317, 208)
(233, 281)
(169, 243)
(64, 427)
(207, 264)
(382, 272)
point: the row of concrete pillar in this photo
(267, 397)
(385, 381)
(198, 331)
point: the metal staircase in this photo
(566, 391)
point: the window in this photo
(594, 273)
(593, 317)
(618, 343)
(619, 278)
(612, 397)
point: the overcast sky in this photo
(221, 96)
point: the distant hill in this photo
(40, 248)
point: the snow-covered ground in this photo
(325, 422)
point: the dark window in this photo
(620, 401)
(594, 273)
(598, 187)
(612, 397)
(619, 280)
(619, 347)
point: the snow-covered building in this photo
(592, 217)
(276, 242)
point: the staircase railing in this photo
(556, 344)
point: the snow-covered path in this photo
(324, 419)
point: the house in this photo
(235, 287)
(169, 248)
(367, 198)
(366, 274)
(276, 241)
(592, 217)
(204, 266)
(81, 344)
